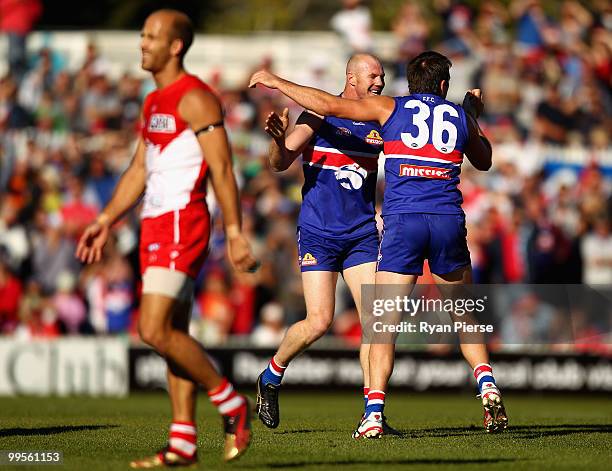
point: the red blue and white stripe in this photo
(376, 401)
(273, 374)
(484, 377)
(334, 159)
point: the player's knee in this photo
(153, 336)
(319, 325)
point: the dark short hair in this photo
(426, 71)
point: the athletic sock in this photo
(484, 377)
(365, 396)
(273, 374)
(376, 401)
(225, 398)
(182, 439)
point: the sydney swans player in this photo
(425, 139)
(336, 228)
(182, 142)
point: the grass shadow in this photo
(27, 432)
(424, 461)
(516, 431)
(285, 432)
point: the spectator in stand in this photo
(217, 314)
(533, 31)
(100, 182)
(347, 327)
(271, 329)
(101, 105)
(10, 296)
(17, 19)
(13, 236)
(552, 121)
(53, 252)
(37, 81)
(528, 321)
(12, 114)
(79, 207)
(38, 315)
(109, 288)
(70, 308)
(354, 24)
(411, 31)
(597, 253)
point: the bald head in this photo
(177, 25)
(364, 76)
(360, 60)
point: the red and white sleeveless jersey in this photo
(176, 169)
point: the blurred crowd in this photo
(541, 215)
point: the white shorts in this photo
(172, 283)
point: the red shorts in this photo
(177, 240)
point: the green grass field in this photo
(442, 431)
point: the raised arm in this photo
(375, 108)
(127, 193)
(201, 109)
(284, 149)
(478, 149)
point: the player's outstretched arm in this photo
(478, 149)
(201, 109)
(375, 108)
(127, 192)
(284, 149)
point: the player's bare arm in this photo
(202, 110)
(374, 108)
(127, 193)
(478, 150)
(284, 149)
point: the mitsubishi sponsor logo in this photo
(160, 122)
(407, 170)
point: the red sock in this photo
(183, 438)
(225, 398)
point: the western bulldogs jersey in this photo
(340, 167)
(176, 169)
(424, 141)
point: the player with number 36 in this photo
(425, 138)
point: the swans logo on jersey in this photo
(308, 259)
(374, 138)
(343, 131)
(160, 122)
(407, 170)
(351, 176)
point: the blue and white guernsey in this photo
(340, 166)
(425, 137)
